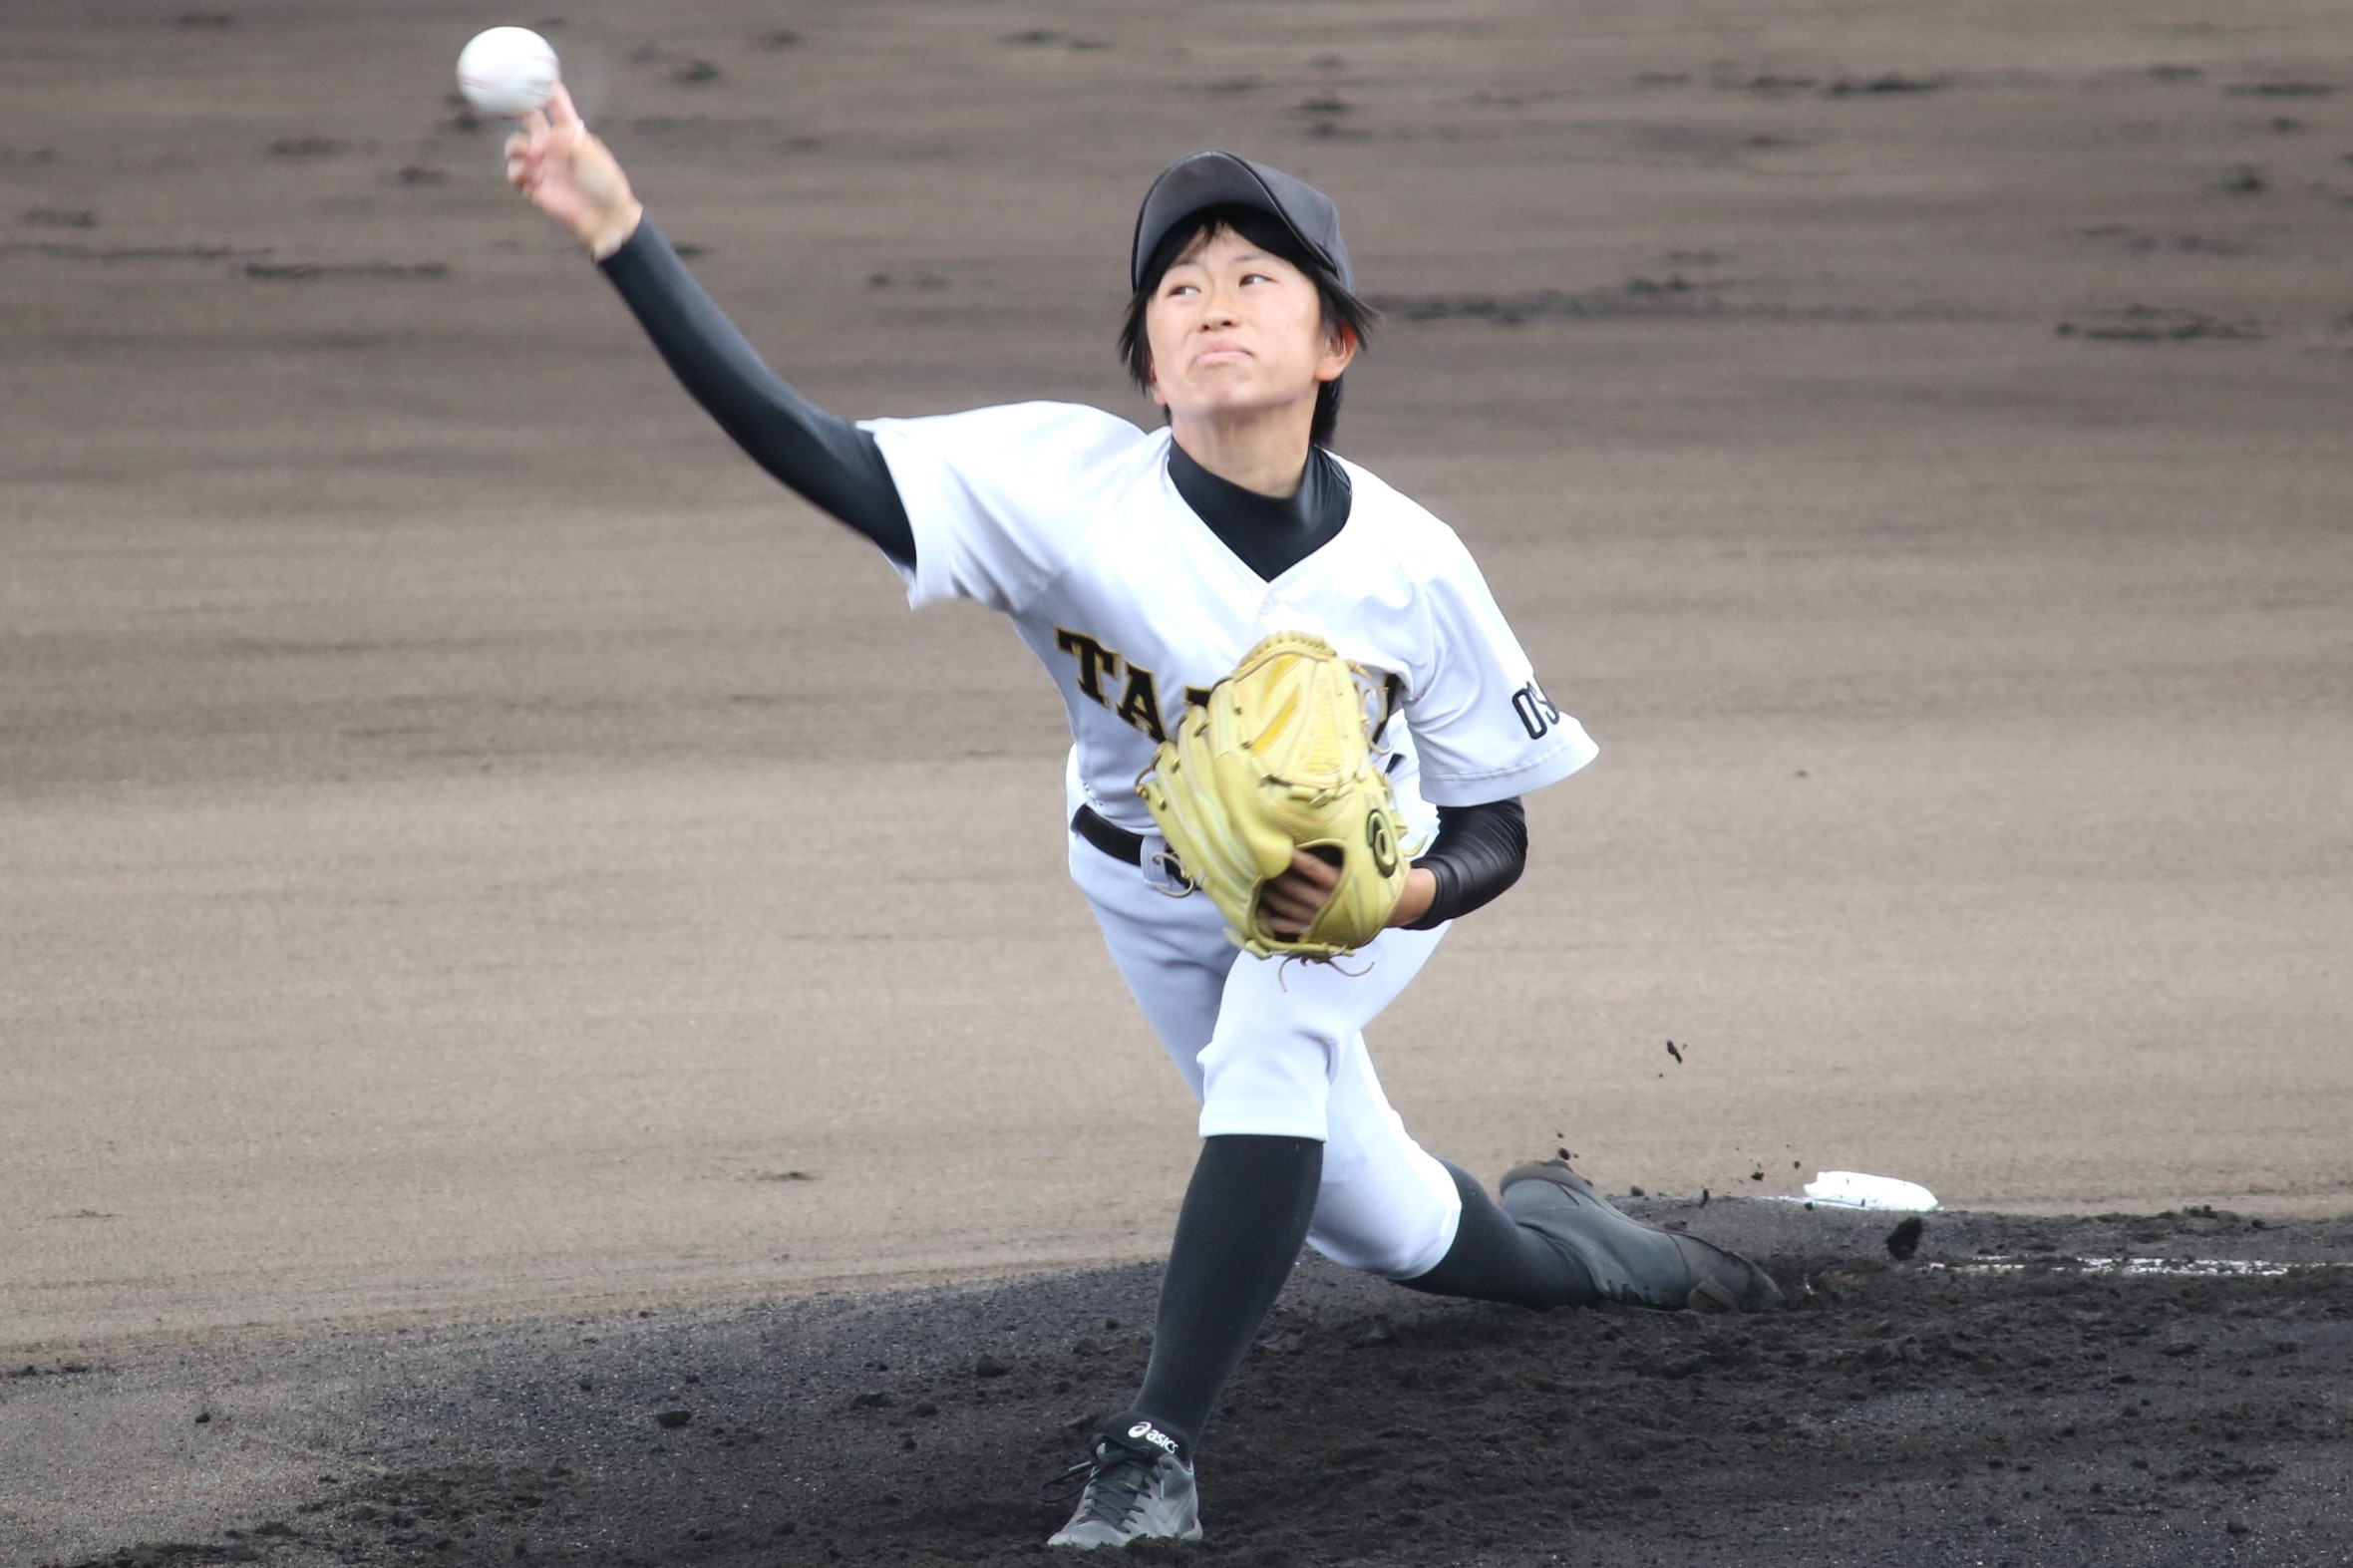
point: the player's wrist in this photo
(612, 232)
(1414, 901)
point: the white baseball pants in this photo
(1275, 1048)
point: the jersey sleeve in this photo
(1483, 726)
(998, 498)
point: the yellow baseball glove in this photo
(1280, 757)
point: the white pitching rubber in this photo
(1852, 1189)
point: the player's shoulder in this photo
(1078, 419)
(1422, 542)
(1026, 425)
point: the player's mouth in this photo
(1220, 353)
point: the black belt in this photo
(1107, 835)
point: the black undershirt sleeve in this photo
(1480, 850)
(830, 461)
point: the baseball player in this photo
(1139, 566)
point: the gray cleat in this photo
(1132, 1492)
(1631, 1262)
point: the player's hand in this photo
(1296, 897)
(1293, 899)
(570, 175)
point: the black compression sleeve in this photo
(1480, 850)
(1244, 1216)
(1495, 1258)
(831, 461)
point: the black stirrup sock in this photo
(1246, 1214)
(1495, 1258)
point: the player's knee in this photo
(1274, 1070)
(1248, 1087)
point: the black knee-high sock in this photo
(1246, 1214)
(1494, 1259)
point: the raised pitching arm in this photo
(830, 461)
(569, 174)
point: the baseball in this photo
(507, 71)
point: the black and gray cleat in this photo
(1134, 1491)
(1631, 1262)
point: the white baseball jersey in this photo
(1064, 518)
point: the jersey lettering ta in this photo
(1064, 517)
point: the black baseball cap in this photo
(1215, 178)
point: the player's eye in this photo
(1175, 289)
(1257, 277)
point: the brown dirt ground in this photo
(441, 897)
(2000, 1396)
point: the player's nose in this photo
(1219, 310)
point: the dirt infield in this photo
(480, 858)
(2013, 1390)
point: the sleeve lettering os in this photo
(1481, 724)
(999, 497)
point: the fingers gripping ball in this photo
(507, 71)
(1280, 757)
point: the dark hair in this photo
(1342, 309)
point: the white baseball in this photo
(507, 71)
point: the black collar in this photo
(1268, 534)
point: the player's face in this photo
(1238, 334)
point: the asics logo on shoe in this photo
(1154, 1435)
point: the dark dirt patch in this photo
(2002, 1396)
(314, 271)
(1890, 81)
(2153, 324)
(2282, 90)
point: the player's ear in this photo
(1340, 346)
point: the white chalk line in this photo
(2194, 1268)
